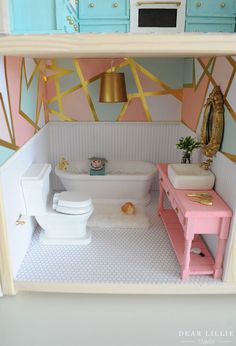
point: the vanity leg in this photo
(161, 199)
(218, 268)
(186, 259)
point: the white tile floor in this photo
(113, 256)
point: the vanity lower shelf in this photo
(198, 265)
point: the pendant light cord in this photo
(112, 63)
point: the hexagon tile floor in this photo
(113, 256)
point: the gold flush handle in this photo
(115, 5)
(91, 5)
(198, 4)
(223, 4)
(141, 3)
(20, 221)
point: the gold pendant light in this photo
(113, 88)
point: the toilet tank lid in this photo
(37, 171)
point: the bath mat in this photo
(111, 216)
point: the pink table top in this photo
(194, 209)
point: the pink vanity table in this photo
(186, 221)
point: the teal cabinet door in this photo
(108, 9)
(100, 16)
(210, 16)
(211, 8)
(41, 16)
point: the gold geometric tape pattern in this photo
(134, 67)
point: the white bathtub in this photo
(124, 180)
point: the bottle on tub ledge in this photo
(97, 165)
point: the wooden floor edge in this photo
(140, 289)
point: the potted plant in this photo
(187, 144)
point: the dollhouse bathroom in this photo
(117, 157)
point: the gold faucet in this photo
(206, 164)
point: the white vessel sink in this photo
(190, 176)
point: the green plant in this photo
(187, 144)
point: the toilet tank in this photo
(35, 186)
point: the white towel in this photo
(111, 216)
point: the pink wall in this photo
(28, 87)
(206, 74)
(23, 108)
(154, 93)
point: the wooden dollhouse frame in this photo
(118, 45)
(111, 45)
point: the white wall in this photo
(225, 171)
(19, 237)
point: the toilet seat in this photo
(74, 211)
(72, 203)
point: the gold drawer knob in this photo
(91, 5)
(223, 4)
(70, 20)
(75, 27)
(168, 193)
(177, 210)
(198, 4)
(115, 4)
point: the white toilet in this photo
(62, 217)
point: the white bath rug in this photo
(106, 215)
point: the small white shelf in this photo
(118, 45)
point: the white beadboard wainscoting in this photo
(154, 142)
(184, 131)
(36, 150)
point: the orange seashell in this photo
(128, 208)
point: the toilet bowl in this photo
(63, 216)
